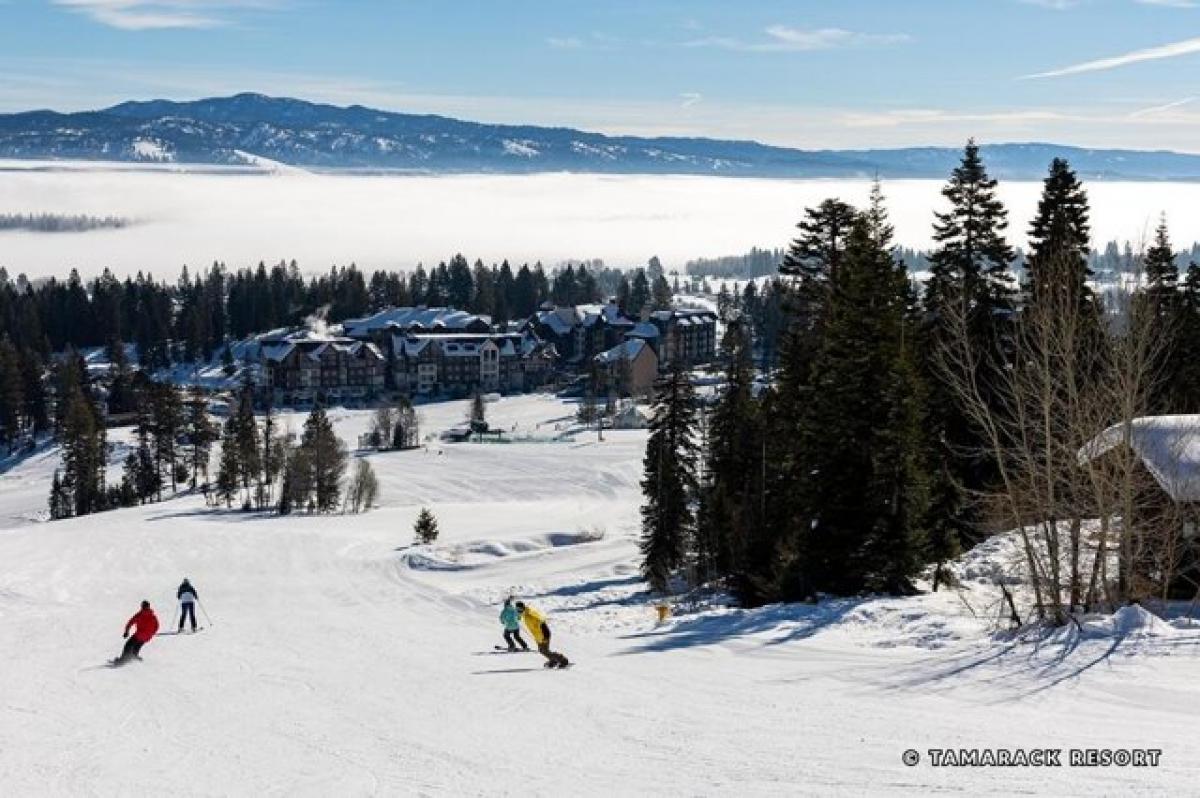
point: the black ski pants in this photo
(187, 610)
(544, 648)
(133, 647)
(511, 635)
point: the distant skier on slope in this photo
(511, 619)
(145, 625)
(187, 603)
(535, 622)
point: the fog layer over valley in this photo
(394, 221)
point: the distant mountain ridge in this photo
(244, 128)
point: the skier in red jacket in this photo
(145, 625)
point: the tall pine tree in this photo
(669, 484)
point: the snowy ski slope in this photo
(343, 662)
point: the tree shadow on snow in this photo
(584, 589)
(784, 623)
(506, 670)
(1026, 667)
(225, 515)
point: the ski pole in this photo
(210, 623)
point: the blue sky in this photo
(811, 73)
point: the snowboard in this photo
(116, 663)
(507, 650)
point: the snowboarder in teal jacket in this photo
(511, 619)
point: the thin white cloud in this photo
(690, 98)
(1159, 109)
(565, 42)
(1173, 50)
(138, 15)
(1168, 3)
(781, 38)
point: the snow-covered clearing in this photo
(344, 661)
(269, 212)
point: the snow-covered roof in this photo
(277, 345)
(409, 318)
(626, 350)
(276, 351)
(610, 312)
(1169, 446)
(560, 320)
(644, 329)
(685, 315)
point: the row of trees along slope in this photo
(903, 424)
(261, 465)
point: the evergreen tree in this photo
(60, 499)
(624, 295)
(969, 275)
(661, 294)
(201, 434)
(33, 389)
(166, 407)
(477, 415)
(83, 454)
(502, 308)
(815, 255)
(1160, 304)
(564, 290)
(229, 473)
(295, 490)
(971, 260)
(639, 295)
(142, 480)
(327, 460)
(1058, 238)
(272, 460)
(425, 529)
(246, 436)
(670, 482)
(733, 539)
(1162, 275)
(12, 399)
(1184, 396)
(525, 298)
(459, 284)
(859, 487)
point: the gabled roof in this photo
(278, 345)
(1169, 447)
(628, 349)
(644, 329)
(560, 320)
(463, 344)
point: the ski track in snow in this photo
(342, 660)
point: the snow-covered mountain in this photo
(242, 128)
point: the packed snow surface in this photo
(338, 659)
(268, 212)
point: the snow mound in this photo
(478, 553)
(1135, 619)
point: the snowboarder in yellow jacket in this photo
(535, 622)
